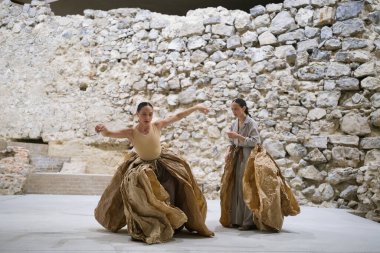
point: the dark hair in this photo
(241, 102)
(142, 105)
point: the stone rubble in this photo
(308, 69)
(14, 170)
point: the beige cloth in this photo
(137, 199)
(265, 190)
(147, 146)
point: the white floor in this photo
(65, 223)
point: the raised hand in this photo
(232, 135)
(202, 108)
(100, 128)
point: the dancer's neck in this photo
(143, 128)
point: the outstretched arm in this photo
(180, 115)
(123, 133)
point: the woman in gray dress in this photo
(253, 191)
(244, 134)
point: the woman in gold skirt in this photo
(254, 194)
(154, 191)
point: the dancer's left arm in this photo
(180, 115)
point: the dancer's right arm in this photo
(123, 133)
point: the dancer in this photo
(154, 191)
(254, 194)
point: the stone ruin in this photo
(14, 170)
(308, 69)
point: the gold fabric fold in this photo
(136, 198)
(265, 191)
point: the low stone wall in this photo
(33, 148)
(308, 69)
(14, 170)
(58, 183)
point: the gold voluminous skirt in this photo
(265, 191)
(136, 198)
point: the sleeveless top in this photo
(148, 146)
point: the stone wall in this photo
(14, 170)
(308, 68)
(57, 183)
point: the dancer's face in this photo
(145, 115)
(237, 110)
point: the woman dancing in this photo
(253, 191)
(154, 191)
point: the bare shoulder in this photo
(128, 132)
(158, 123)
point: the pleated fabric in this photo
(136, 198)
(265, 191)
